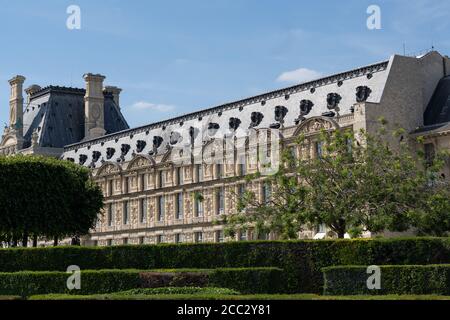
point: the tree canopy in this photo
(46, 197)
(358, 182)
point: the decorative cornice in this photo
(370, 69)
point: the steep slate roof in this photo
(438, 110)
(58, 115)
(122, 145)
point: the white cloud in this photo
(144, 105)
(299, 75)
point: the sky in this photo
(175, 57)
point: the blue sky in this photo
(174, 57)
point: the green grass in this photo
(234, 297)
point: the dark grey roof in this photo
(58, 115)
(438, 110)
(433, 128)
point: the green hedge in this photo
(248, 280)
(28, 283)
(178, 290)
(402, 280)
(301, 261)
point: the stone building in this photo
(52, 117)
(169, 181)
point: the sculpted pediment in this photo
(315, 125)
(108, 168)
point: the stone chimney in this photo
(115, 92)
(30, 90)
(94, 119)
(16, 105)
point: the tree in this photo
(358, 182)
(46, 197)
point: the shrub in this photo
(404, 280)
(301, 261)
(178, 290)
(26, 283)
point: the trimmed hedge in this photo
(301, 261)
(27, 283)
(402, 280)
(178, 290)
(249, 280)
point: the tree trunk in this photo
(341, 229)
(341, 234)
(35, 238)
(55, 241)
(25, 240)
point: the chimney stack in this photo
(94, 120)
(16, 105)
(115, 92)
(30, 90)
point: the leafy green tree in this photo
(46, 197)
(356, 183)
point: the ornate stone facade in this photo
(170, 181)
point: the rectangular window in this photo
(161, 208)
(242, 235)
(220, 201)
(125, 240)
(179, 206)
(199, 170)
(110, 187)
(109, 242)
(219, 236)
(126, 185)
(219, 171)
(319, 149)
(125, 212)
(180, 175)
(143, 182)
(141, 240)
(95, 243)
(199, 207)
(243, 165)
(110, 214)
(162, 179)
(198, 237)
(143, 210)
(266, 192)
(160, 239)
(293, 152)
(179, 238)
(241, 190)
(321, 228)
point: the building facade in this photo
(170, 181)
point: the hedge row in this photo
(412, 279)
(246, 280)
(302, 261)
